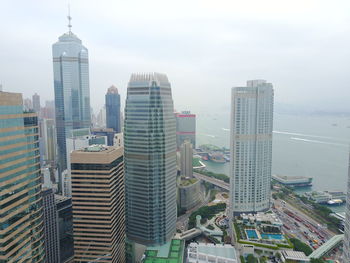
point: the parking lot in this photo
(300, 226)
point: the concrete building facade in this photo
(21, 223)
(150, 160)
(186, 157)
(251, 147)
(98, 204)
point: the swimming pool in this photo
(252, 234)
(272, 236)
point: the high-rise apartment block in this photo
(346, 249)
(186, 159)
(98, 204)
(185, 128)
(251, 147)
(52, 244)
(150, 160)
(36, 103)
(21, 223)
(113, 109)
(72, 92)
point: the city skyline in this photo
(137, 181)
(226, 34)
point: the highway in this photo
(213, 181)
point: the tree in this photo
(300, 246)
(251, 259)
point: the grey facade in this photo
(186, 159)
(36, 103)
(65, 227)
(113, 109)
(346, 248)
(150, 160)
(50, 217)
(72, 92)
(251, 147)
(190, 195)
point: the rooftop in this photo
(171, 252)
(294, 255)
(95, 148)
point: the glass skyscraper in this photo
(113, 109)
(150, 160)
(251, 147)
(21, 222)
(72, 92)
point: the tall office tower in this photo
(72, 92)
(98, 204)
(52, 244)
(186, 157)
(49, 136)
(185, 128)
(113, 109)
(251, 147)
(346, 248)
(65, 226)
(21, 221)
(36, 103)
(150, 160)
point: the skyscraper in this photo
(52, 244)
(186, 157)
(150, 160)
(113, 109)
(36, 103)
(72, 92)
(98, 204)
(346, 249)
(185, 128)
(21, 223)
(251, 147)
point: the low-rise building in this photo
(172, 251)
(189, 192)
(291, 256)
(203, 253)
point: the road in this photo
(182, 221)
(213, 181)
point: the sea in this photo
(309, 145)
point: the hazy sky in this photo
(205, 47)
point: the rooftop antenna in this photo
(69, 20)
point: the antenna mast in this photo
(69, 20)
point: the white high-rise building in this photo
(346, 248)
(251, 147)
(186, 157)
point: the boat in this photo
(335, 202)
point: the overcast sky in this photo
(205, 47)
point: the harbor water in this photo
(303, 145)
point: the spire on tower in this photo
(69, 20)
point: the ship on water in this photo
(293, 181)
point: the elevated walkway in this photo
(326, 247)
